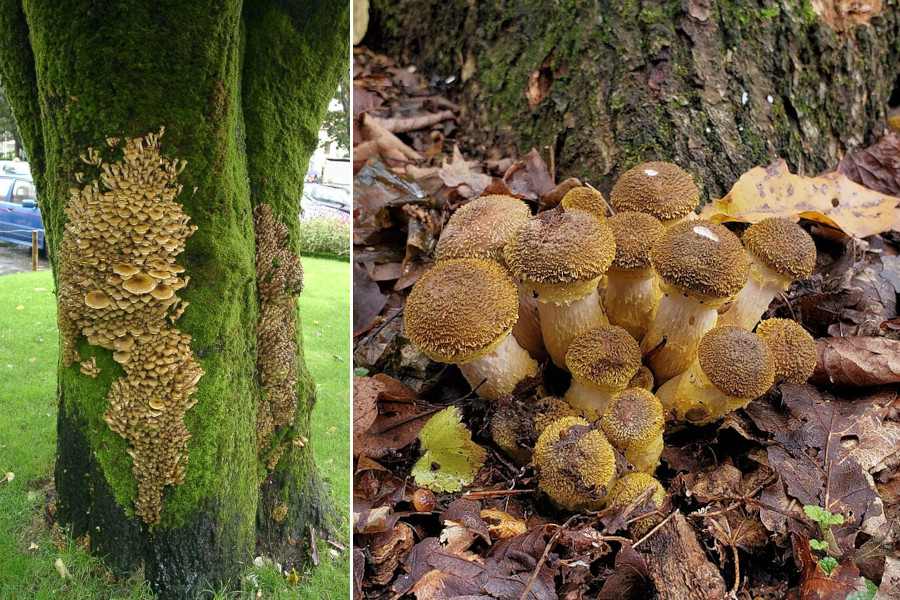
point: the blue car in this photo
(19, 214)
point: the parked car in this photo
(19, 213)
(317, 196)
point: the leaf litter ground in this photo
(733, 523)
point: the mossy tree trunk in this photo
(240, 91)
(717, 86)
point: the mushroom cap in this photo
(701, 258)
(462, 309)
(661, 189)
(96, 299)
(605, 356)
(631, 485)
(481, 228)
(793, 349)
(139, 283)
(634, 416)
(162, 292)
(576, 463)
(516, 425)
(782, 246)
(559, 248)
(125, 270)
(587, 199)
(736, 361)
(549, 409)
(635, 234)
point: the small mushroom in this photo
(633, 424)
(629, 488)
(602, 362)
(587, 199)
(661, 189)
(139, 283)
(793, 349)
(125, 270)
(96, 299)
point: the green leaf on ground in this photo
(451, 458)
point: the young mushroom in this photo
(633, 424)
(576, 464)
(793, 349)
(701, 265)
(661, 189)
(602, 361)
(559, 256)
(516, 425)
(629, 488)
(480, 229)
(587, 199)
(632, 290)
(462, 312)
(733, 367)
(780, 253)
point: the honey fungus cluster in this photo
(279, 277)
(117, 287)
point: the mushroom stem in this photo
(681, 320)
(561, 323)
(528, 327)
(594, 399)
(691, 397)
(645, 458)
(500, 370)
(753, 300)
(631, 300)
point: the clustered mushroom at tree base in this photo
(636, 313)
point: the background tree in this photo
(716, 86)
(241, 90)
(337, 122)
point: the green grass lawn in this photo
(29, 550)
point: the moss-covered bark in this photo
(717, 86)
(286, 57)
(79, 71)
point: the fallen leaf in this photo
(367, 298)
(857, 361)
(9, 476)
(501, 524)
(529, 178)
(831, 199)
(398, 420)
(451, 458)
(32, 546)
(20, 307)
(876, 167)
(387, 551)
(459, 172)
(60, 567)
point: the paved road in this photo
(16, 259)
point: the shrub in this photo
(325, 236)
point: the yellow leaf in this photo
(20, 307)
(501, 524)
(832, 200)
(10, 475)
(60, 567)
(292, 578)
(451, 458)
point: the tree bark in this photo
(715, 86)
(79, 72)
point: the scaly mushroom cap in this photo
(559, 248)
(661, 189)
(96, 299)
(736, 361)
(576, 464)
(782, 246)
(480, 228)
(701, 258)
(605, 356)
(548, 410)
(461, 309)
(643, 379)
(634, 416)
(140, 283)
(635, 234)
(632, 485)
(587, 199)
(516, 425)
(793, 349)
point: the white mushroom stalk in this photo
(631, 300)
(562, 323)
(754, 299)
(498, 373)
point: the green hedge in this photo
(329, 237)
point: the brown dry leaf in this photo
(501, 524)
(876, 167)
(529, 178)
(630, 579)
(831, 199)
(365, 403)
(815, 585)
(460, 172)
(364, 100)
(400, 416)
(857, 361)
(387, 551)
(376, 520)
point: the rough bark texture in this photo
(79, 71)
(718, 87)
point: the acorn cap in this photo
(575, 462)
(736, 361)
(793, 349)
(782, 246)
(481, 228)
(461, 309)
(661, 189)
(634, 416)
(605, 356)
(701, 258)
(587, 199)
(559, 248)
(635, 233)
